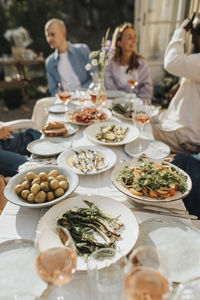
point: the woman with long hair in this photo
(179, 125)
(127, 70)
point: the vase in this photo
(98, 92)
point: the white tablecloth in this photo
(18, 222)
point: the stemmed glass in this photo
(146, 275)
(64, 93)
(142, 115)
(132, 83)
(57, 265)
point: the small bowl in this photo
(12, 197)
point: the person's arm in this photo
(5, 132)
(177, 62)
(144, 89)
(52, 84)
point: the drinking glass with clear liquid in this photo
(106, 276)
(142, 115)
(57, 265)
(146, 275)
(64, 94)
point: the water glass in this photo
(106, 277)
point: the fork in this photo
(149, 206)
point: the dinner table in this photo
(17, 222)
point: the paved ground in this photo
(22, 112)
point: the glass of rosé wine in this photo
(57, 265)
(146, 275)
(132, 83)
(142, 115)
(64, 93)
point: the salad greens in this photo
(155, 180)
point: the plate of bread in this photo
(59, 129)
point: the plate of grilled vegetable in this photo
(94, 222)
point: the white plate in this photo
(151, 148)
(178, 241)
(106, 111)
(71, 128)
(131, 134)
(114, 94)
(58, 108)
(18, 273)
(123, 101)
(110, 159)
(144, 199)
(129, 232)
(48, 147)
(17, 179)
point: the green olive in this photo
(54, 184)
(36, 180)
(63, 184)
(25, 193)
(43, 176)
(26, 185)
(53, 173)
(50, 196)
(18, 189)
(30, 176)
(35, 188)
(30, 197)
(45, 186)
(40, 197)
(61, 178)
(59, 192)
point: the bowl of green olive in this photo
(41, 186)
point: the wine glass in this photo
(64, 94)
(189, 290)
(141, 114)
(133, 83)
(146, 275)
(57, 264)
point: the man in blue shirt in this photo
(67, 63)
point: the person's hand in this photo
(188, 23)
(5, 132)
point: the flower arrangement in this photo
(99, 57)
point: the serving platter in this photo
(48, 146)
(131, 134)
(12, 197)
(178, 241)
(107, 112)
(66, 159)
(129, 232)
(144, 199)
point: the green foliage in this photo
(32, 15)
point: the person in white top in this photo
(67, 63)
(179, 125)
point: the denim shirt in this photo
(78, 56)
